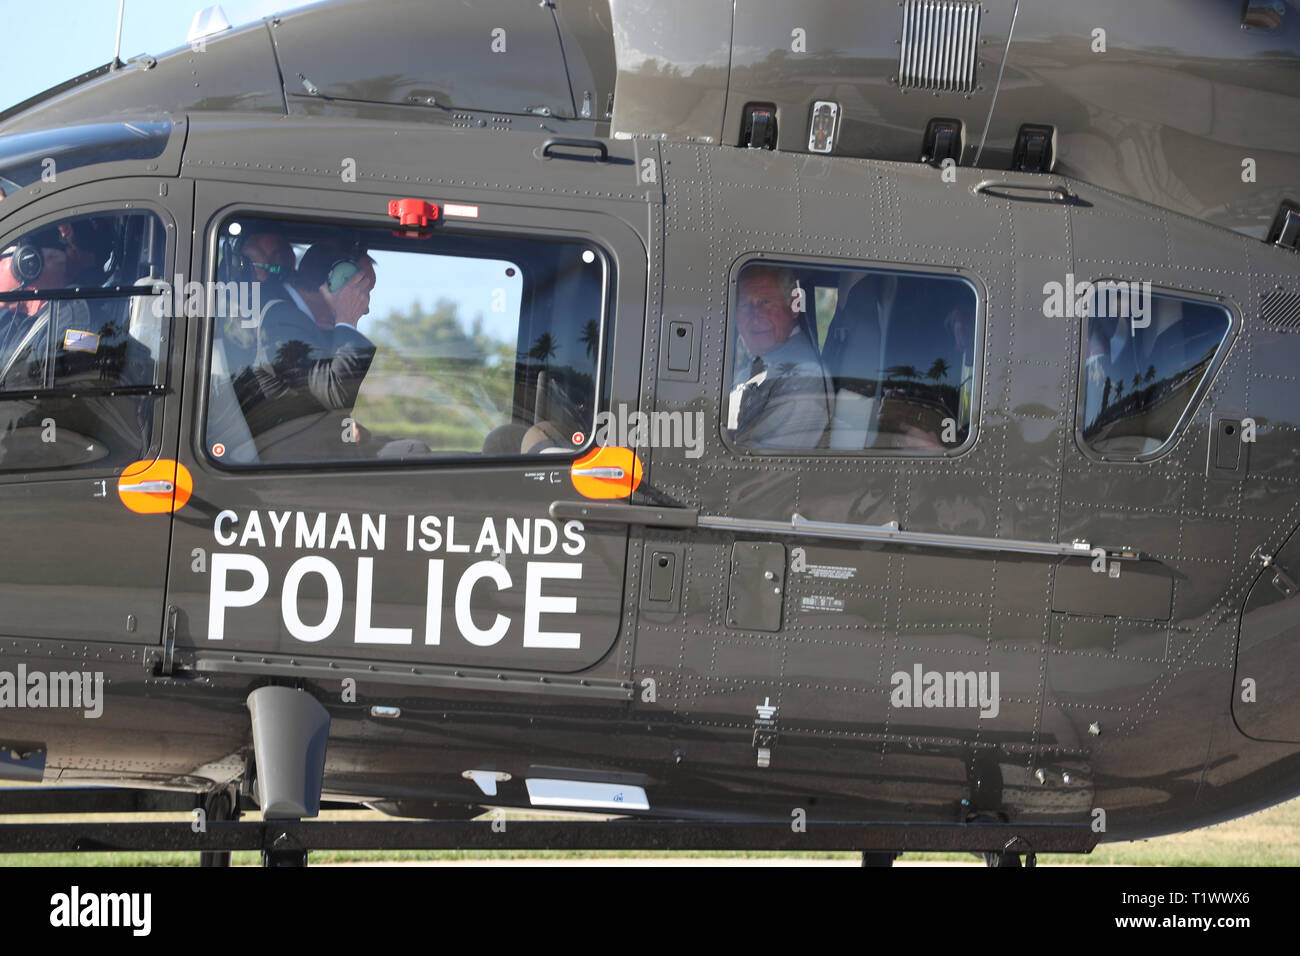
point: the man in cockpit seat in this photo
(25, 327)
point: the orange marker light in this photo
(155, 487)
(606, 472)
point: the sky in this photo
(63, 38)
(51, 41)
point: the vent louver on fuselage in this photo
(939, 46)
(1281, 310)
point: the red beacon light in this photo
(412, 215)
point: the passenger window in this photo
(80, 340)
(851, 360)
(1145, 356)
(371, 346)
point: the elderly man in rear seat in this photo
(783, 403)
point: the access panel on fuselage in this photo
(1268, 652)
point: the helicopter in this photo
(770, 425)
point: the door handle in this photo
(150, 487)
(548, 148)
(998, 188)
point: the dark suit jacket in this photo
(301, 384)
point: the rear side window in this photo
(851, 360)
(338, 343)
(1145, 359)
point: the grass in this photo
(1267, 838)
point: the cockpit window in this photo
(82, 340)
(355, 344)
(26, 158)
(77, 309)
(1145, 356)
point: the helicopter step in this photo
(282, 841)
(290, 731)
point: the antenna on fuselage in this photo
(117, 48)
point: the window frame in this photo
(861, 265)
(353, 220)
(1233, 313)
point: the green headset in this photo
(340, 272)
(241, 266)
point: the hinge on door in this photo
(1283, 581)
(169, 644)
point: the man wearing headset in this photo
(38, 262)
(269, 254)
(311, 360)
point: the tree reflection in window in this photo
(1143, 365)
(467, 346)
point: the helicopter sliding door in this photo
(376, 451)
(876, 361)
(88, 410)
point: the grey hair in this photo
(783, 275)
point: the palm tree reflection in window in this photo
(543, 349)
(1136, 415)
(590, 337)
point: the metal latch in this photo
(1281, 579)
(1033, 151)
(764, 731)
(758, 127)
(1285, 229)
(942, 140)
(821, 129)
